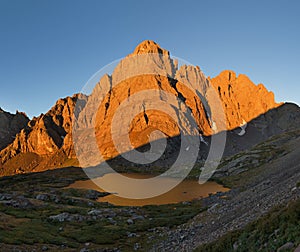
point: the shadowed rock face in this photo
(10, 125)
(284, 118)
(47, 134)
(49, 137)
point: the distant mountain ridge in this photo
(242, 100)
(10, 125)
(44, 137)
(46, 142)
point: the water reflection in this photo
(185, 191)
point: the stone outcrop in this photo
(46, 135)
(242, 100)
(10, 125)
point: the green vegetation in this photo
(117, 226)
(31, 224)
(279, 226)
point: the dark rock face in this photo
(10, 125)
(47, 133)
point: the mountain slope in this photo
(242, 100)
(255, 190)
(41, 140)
(47, 140)
(188, 83)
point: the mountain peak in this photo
(228, 75)
(149, 46)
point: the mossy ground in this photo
(28, 226)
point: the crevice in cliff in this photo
(145, 115)
(107, 104)
(173, 83)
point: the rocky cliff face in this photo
(45, 136)
(239, 98)
(149, 119)
(242, 100)
(148, 68)
(10, 125)
(47, 140)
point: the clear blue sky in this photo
(49, 49)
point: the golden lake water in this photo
(187, 190)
